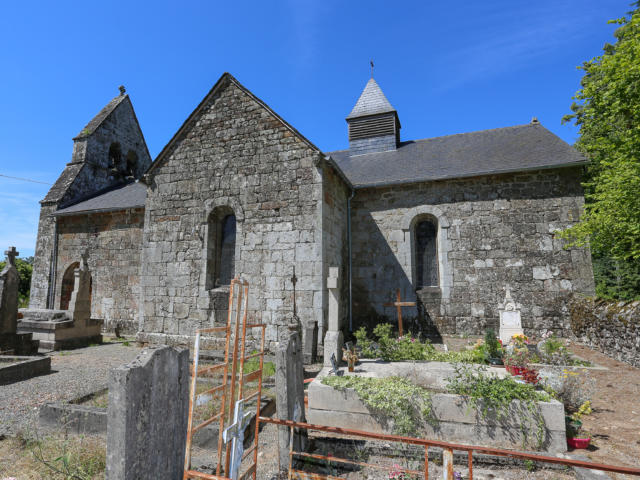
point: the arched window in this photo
(426, 253)
(115, 155)
(132, 163)
(68, 281)
(221, 247)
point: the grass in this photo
(53, 457)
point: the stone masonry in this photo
(234, 152)
(493, 231)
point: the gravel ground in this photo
(74, 373)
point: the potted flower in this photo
(516, 361)
(577, 437)
(351, 357)
(493, 348)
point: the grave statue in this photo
(510, 320)
(80, 303)
(333, 339)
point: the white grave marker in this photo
(510, 321)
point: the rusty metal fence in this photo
(220, 385)
(296, 472)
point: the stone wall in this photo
(493, 231)
(611, 327)
(114, 242)
(232, 152)
(334, 241)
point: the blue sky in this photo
(447, 67)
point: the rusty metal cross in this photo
(399, 304)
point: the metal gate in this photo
(221, 387)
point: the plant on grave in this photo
(574, 421)
(490, 394)
(493, 349)
(518, 357)
(350, 356)
(572, 388)
(408, 406)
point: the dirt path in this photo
(615, 421)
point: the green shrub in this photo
(408, 405)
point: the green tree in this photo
(25, 268)
(607, 112)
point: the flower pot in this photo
(495, 361)
(578, 442)
(352, 368)
(515, 371)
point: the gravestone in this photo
(290, 395)
(510, 319)
(9, 283)
(11, 341)
(147, 416)
(80, 302)
(333, 339)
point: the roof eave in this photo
(97, 210)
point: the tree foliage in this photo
(607, 112)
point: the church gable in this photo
(235, 177)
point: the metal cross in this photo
(399, 304)
(294, 280)
(235, 433)
(371, 62)
(11, 254)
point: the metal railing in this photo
(447, 453)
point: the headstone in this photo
(333, 339)
(80, 302)
(9, 284)
(290, 395)
(147, 416)
(510, 321)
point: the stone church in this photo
(449, 221)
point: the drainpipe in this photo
(353, 192)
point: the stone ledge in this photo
(23, 368)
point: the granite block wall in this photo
(114, 243)
(493, 231)
(232, 152)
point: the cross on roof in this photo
(399, 304)
(235, 433)
(11, 254)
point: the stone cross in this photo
(399, 304)
(11, 254)
(235, 433)
(333, 339)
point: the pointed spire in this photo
(371, 102)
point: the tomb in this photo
(455, 419)
(58, 329)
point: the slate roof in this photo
(501, 150)
(371, 102)
(121, 197)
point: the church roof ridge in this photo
(372, 101)
(102, 115)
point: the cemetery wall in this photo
(113, 241)
(232, 152)
(611, 327)
(493, 231)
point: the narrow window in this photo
(426, 254)
(221, 246)
(227, 249)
